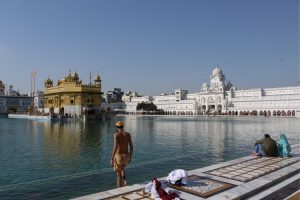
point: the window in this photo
(72, 100)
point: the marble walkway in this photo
(245, 178)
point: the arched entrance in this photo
(254, 112)
(219, 109)
(211, 108)
(293, 113)
(204, 108)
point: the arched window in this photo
(278, 113)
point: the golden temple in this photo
(71, 98)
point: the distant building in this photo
(283, 101)
(2, 89)
(176, 104)
(132, 99)
(73, 98)
(114, 96)
(211, 98)
(38, 101)
(113, 101)
(219, 96)
(11, 92)
(12, 102)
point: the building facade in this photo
(70, 97)
(12, 102)
(114, 95)
(284, 101)
(219, 96)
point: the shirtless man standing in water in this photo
(120, 155)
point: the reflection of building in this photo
(70, 97)
(12, 101)
(220, 97)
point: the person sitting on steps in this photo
(266, 147)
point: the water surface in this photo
(62, 160)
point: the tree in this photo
(146, 106)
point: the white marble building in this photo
(219, 96)
(180, 103)
(264, 101)
(12, 102)
(132, 99)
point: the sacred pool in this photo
(67, 159)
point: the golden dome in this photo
(48, 81)
(97, 78)
(75, 76)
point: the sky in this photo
(150, 46)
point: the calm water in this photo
(62, 160)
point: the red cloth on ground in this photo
(162, 193)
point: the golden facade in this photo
(70, 96)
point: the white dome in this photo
(216, 71)
(205, 85)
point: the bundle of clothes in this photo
(159, 191)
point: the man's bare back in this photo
(122, 140)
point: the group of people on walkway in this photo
(268, 147)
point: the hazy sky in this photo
(150, 46)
